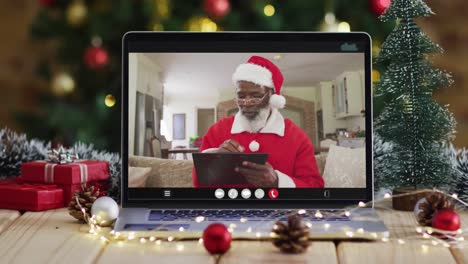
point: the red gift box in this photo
(68, 176)
(18, 195)
(71, 173)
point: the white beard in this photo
(259, 122)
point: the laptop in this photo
(178, 84)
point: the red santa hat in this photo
(263, 72)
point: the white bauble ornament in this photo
(105, 210)
(254, 146)
(416, 207)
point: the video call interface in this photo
(246, 126)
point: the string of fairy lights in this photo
(428, 236)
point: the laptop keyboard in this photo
(250, 215)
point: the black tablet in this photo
(218, 168)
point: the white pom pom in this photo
(254, 146)
(277, 101)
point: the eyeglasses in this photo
(249, 100)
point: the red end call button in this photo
(273, 193)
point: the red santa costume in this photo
(291, 153)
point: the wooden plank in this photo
(55, 237)
(194, 252)
(48, 237)
(400, 224)
(7, 217)
(391, 252)
(460, 253)
(266, 252)
(151, 252)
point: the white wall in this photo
(149, 81)
(357, 100)
(144, 77)
(318, 98)
(330, 123)
(132, 84)
(227, 94)
(306, 93)
(355, 122)
(187, 106)
(325, 101)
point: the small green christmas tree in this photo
(417, 127)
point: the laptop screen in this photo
(234, 120)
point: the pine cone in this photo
(85, 198)
(293, 237)
(435, 201)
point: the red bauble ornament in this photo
(46, 2)
(379, 6)
(447, 220)
(216, 8)
(216, 238)
(96, 57)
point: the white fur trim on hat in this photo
(253, 73)
(277, 101)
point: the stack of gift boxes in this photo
(45, 185)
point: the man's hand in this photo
(230, 145)
(259, 175)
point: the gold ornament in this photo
(375, 47)
(331, 24)
(110, 100)
(161, 9)
(62, 84)
(77, 13)
(375, 75)
(158, 27)
(344, 27)
(269, 10)
(203, 24)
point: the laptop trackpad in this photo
(155, 227)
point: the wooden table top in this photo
(55, 237)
